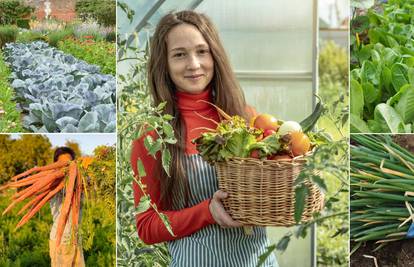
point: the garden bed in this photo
(59, 93)
(397, 253)
(100, 53)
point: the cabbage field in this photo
(58, 92)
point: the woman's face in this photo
(190, 63)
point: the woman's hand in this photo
(219, 213)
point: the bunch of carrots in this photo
(40, 184)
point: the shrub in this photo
(333, 64)
(23, 23)
(111, 37)
(91, 27)
(30, 36)
(13, 10)
(55, 37)
(8, 34)
(103, 11)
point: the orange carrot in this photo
(34, 201)
(64, 212)
(23, 191)
(35, 188)
(55, 165)
(42, 192)
(4, 187)
(40, 181)
(30, 179)
(39, 205)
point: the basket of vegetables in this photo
(257, 165)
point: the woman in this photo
(187, 64)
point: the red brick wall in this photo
(61, 10)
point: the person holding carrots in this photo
(187, 67)
(69, 253)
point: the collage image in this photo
(206, 133)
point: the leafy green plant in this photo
(136, 116)
(9, 116)
(333, 66)
(11, 11)
(8, 34)
(99, 53)
(102, 11)
(30, 36)
(382, 68)
(23, 23)
(56, 36)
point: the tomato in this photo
(281, 157)
(255, 154)
(268, 132)
(266, 122)
(300, 143)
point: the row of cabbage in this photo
(59, 93)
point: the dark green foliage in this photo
(13, 10)
(23, 23)
(8, 34)
(18, 155)
(103, 11)
(29, 245)
(56, 36)
(111, 37)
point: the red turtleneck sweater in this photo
(189, 220)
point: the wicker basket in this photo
(261, 191)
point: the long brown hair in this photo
(226, 90)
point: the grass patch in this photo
(9, 116)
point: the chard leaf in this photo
(358, 125)
(370, 73)
(388, 118)
(357, 99)
(399, 75)
(370, 93)
(405, 106)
